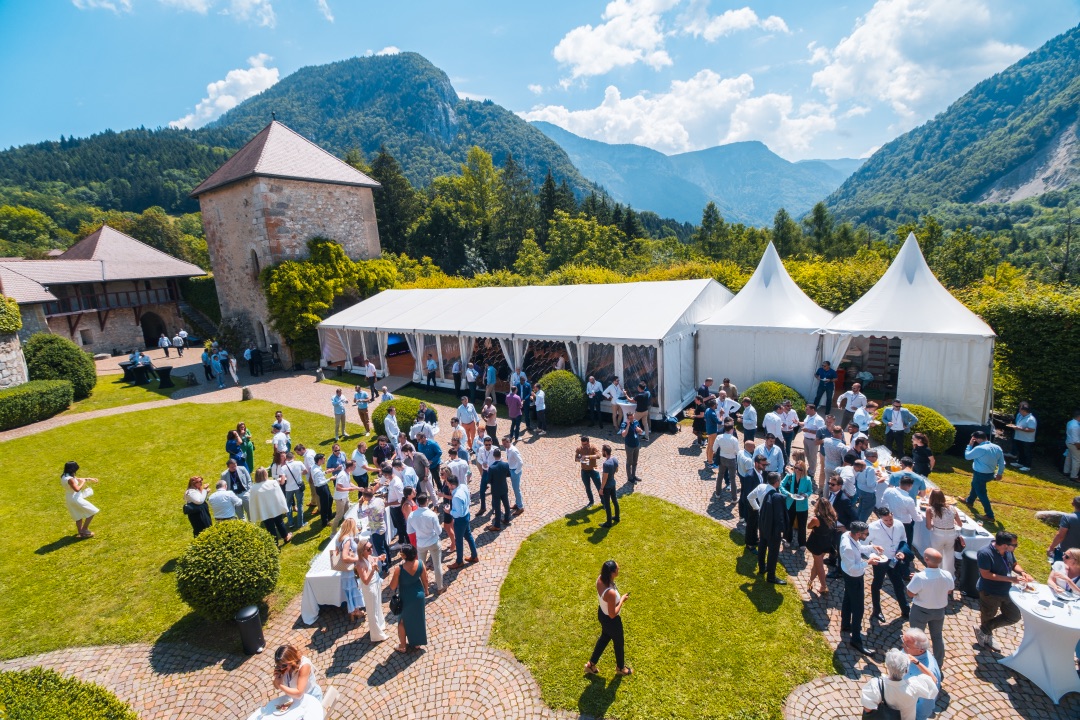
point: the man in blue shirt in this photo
(712, 429)
(459, 511)
(432, 367)
(987, 463)
(918, 482)
(489, 379)
(631, 431)
(998, 572)
(773, 454)
(826, 378)
(431, 451)
(339, 402)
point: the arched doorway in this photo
(152, 327)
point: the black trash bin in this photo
(165, 377)
(251, 634)
(969, 573)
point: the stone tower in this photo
(263, 205)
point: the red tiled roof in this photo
(280, 152)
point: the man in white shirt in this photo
(811, 424)
(847, 473)
(866, 484)
(323, 492)
(890, 536)
(864, 417)
(293, 470)
(725, 455)
(903, 506)
(726, 407)
(1023, 437)
(224, 502)
(774, 425)
(748, 479)
(307, 457)
(855, 556)
(789, 426)
(540, 403)
(849, 402)
(285, 424)
(929, 591)
(342, 487)
(390, 424)
(424, 523)
(178, 344)
(483, 460)
(1072, 446)
(749, 419)
(460, 467)
(753, 501)
(613, 392)
(394, 495)
(421, 426)
(594, 395)
(774, 456)
(471, 376)
(466, 415)
(513, 458)
(371, 374)
(280, 440)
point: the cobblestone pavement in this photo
(457, 674)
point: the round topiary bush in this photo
(407, 408)
(766, 395)
(40, 694)
(564, 395)
(229, 566)
(940, 432)
(51, 357)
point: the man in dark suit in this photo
(498, 477)
(772, 519)
(754, 479)
(239, 481)
(845, 515)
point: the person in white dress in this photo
(367, 569)
(81, 510)
(942, 521)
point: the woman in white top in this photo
(346, 544)
(367, 569)
(195, 507)
(608, 612)
(267, 504)
(80, 509)
(897, 691)
(294, 674)
(1065, 573)
(942, 521)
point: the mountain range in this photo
(1013, 137)
(747, 181)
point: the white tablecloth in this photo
(307, 708)
(322, 585)
(1045, 656)
(975, 537)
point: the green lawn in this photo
(707, 638)
(1015, 499)
(111, 391)
(119, 587)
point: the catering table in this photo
(307, 708)
(322, 584)
(1045, 656)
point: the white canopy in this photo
(946, 351)
(769, 331)
(652, 314)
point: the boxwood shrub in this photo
(766, 395)
(407, 408)
(229, 566)
(564, 395)
(40, 694)
(940, 432)
(33, 401)
(51, 357)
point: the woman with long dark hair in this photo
(820, 541)
(608, 612)
(80, 509)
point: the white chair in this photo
(329, 698)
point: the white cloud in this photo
(198, 6)
(914, 55)
(632, 32)
(324, 8)
(700, 112)
(124, 5)
(699, 23)
(389, 50)
(259, 11)
(536, 89)
(224, 95)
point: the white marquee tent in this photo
(769, 331)
(632, 330)
(946, 351)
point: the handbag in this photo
(336, 563)
(395, 603)
(959, 544)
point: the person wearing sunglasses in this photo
(998, 572)
(898, 421)
(294, 675)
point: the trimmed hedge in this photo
(33, 401)
(766, 395)
(40, 694)
(407, 408)
(941, 432)
(229, 566)
(564, 395)
(10, 318)
(51, 357)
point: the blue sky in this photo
(810, 79)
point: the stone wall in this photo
(260, 222)
(33, 321)
(12, 363)
(120, 332)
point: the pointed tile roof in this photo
(279, 152)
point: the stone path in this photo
(459, 675)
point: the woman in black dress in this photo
(921, 454)
(698, 413)
(608, 612)
(821, 528)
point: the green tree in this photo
(928, 231)
(531, 260)
(964, 258)
(397, 204)
(518, 212)
(711, 235)
(818, 227)
(581, 241)
(786, 234)
(23, 226)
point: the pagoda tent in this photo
(636, 331)
(946, 353)
(769, 331)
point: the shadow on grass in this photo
(169, 566)
(58, 544)
(192, 643)
(598, 696)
